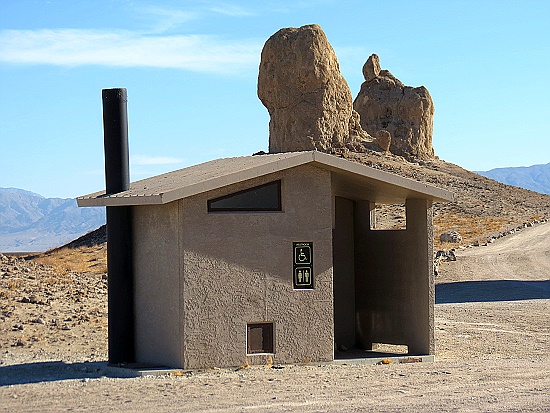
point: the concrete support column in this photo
(365, 218)
(420, 267)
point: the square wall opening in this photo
(390, 217)
(259, 338)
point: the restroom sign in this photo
(303, 265)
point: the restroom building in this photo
(276, 257)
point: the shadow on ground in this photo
(492, 290)
(54, 371)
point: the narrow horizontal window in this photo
(259, 338)
(265, 197)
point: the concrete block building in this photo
(276, 256)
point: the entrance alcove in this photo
(383, 282)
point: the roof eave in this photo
(325, 161)
(416, 188)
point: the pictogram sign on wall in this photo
(303, 265)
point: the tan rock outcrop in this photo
(371, 68)
(308, 99)
(406, 113)
(383, 140)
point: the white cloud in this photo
(230, 10)
(166, 19)
(154, 160)
(76, 47)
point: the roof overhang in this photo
(349, 178)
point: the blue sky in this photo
(191, 67)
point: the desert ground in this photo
(492, 335)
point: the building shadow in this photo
(53, 371)
(491, 290)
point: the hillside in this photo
(30, 222)
(535, 177)
(483, 208)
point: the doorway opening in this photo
(343, 254)
(354, 284)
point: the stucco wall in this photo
(238, 270)
(156, 285)
(201, 277)
(422, 292)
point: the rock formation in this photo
(387, 106)
(308, 99)
(450, 236)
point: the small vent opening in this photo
(259, 338)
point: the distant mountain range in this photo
(31, 223)
(536, 177)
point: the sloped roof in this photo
(362, 181)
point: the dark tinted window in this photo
(265, 197)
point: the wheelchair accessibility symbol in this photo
(302, 253)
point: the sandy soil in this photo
(492, 334)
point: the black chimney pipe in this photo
(119, 229)
(115, 127)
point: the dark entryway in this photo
(343, 241)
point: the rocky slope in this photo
(311, 108)
(55, 305)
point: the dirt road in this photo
(524, 255)
(494, 301)
(492, 335)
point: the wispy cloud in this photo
(166, 19)
(163, 19)
(230, 9)
(76, 47)
(154, 160)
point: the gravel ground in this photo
(492, 334)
